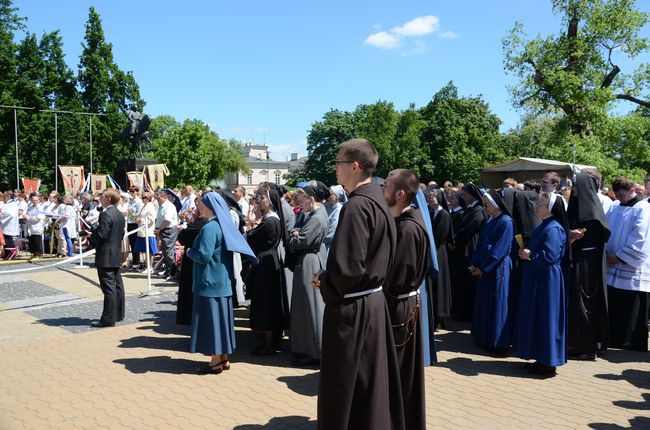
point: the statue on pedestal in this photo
(137, 132)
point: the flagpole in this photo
(150, 291)
(81, 259)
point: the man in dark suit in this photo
(107, 240)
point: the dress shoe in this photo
(102, 324)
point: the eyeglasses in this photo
(337, 162)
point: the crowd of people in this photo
(358, 275)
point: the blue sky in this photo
(265, 71)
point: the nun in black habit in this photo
(466, 238)
(185, 301)
(588, 328)
(268, 313)
(443, 234)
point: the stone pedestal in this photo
(130, 165)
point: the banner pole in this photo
(150, 291)
(81, 258)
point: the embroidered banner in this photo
(31, 185)
(156, 174)
(135, 179)
(73, 178)
(97, 183)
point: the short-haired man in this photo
(359, 378)
(167, 230)
(409, 268)
(107, 239)
(628, 268)
(551, 182)
(240, 196)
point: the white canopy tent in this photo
(523, 168)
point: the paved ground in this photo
(60, 374)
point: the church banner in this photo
(97, 183)
(31, 185)
(156, 174)
(135, 179)
(73, 178)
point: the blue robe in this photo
(540, 330)
(492, 323)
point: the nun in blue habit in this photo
(426, 295)
(491, 265)
(541, 325)
(213, 324)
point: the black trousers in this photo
(110, 281)
(134, 255)
(628, 318)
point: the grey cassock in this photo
(307, 305)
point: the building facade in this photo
(262, 168)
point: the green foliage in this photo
(451, 138)
(193, 153)
(462, 136)
(575, 71)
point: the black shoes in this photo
(102, 324)
(540, 369)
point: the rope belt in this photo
(407, 295)
(363, 293)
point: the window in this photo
(277, 178)
(249, 178)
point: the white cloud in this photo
(447, 35)
(419, 26)
(398, 37)
(260, 130)
(382, 40)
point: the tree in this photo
(193, 153)
(462, 135)
(576, 72)
(323, 143)
(108, 90)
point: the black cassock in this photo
(359, 384)
(465, 239)
(443, 234)
(587, 303)
(265, 281)
(409, 268)
(185, 296)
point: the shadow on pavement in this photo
(307, 385)
(79, 275)
(160, 364)
(290, 422)
(67, 322)
(620, 356)
(163, 343)
(635, 423)
(638, 378)
(468, 367)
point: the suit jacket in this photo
(108, 238)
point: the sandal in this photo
(210, 369)
(225, 365)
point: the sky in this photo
(266, 71)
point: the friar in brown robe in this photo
(410, 267)
(359, 379)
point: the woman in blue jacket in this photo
(541, 326)
(213, 324)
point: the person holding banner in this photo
(107, 240)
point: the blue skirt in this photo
(213, 325)
(141, 245)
